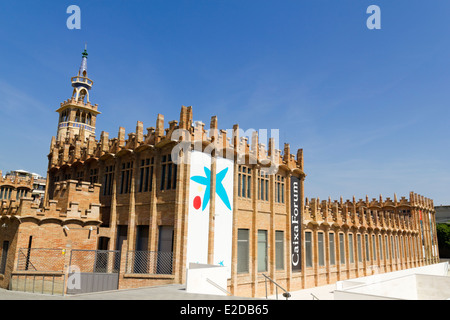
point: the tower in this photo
(77, 115)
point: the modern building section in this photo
(179, 195)
(442, 214)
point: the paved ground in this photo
(317, 293)
(169, 292)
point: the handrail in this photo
(286, 294)
(314, 297)
(218, 287)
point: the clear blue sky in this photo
(370, 108)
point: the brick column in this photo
(180, 207)
(234, 281)
(212, 208)
(113, 213)
(131, 237)
(153, 223)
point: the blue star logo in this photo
(221, 264)
(220, 189)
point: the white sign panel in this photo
(198, 214)
(223, 223)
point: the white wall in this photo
(197, 276)
(429, 282)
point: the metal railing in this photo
(286, 294)
(96, 261)
(314, 297)
(38, 283)
(149, 262)
(82, 80)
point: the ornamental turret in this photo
(77, 115)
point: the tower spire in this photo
(81, 83)
(83, 68)
(78, 115)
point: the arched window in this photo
(82, 95)
(88, 119)
(77, 116)
(83, 117)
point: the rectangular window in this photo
(6, 193)
(244, 182)
(308, 249)
(263, 183)
(3, 261)
(397, 253)
(387, 247)
(279, 189)
(239, 185)
(107, 180)
(380, 244)
(321, 249)
(406, 247)
(350, 247)
(374, 248)
(80, 175)
(146, 174)
(367, 247)
(249, 185)
(163, 171)
(342, 247)
(359, 247)
(243, 251)
(126, 173)
(168, 173)
(262, 250)
(332, 253)
(392, 248)
(279, 250)
(93, 175)
(402, 249)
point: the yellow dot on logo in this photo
(200, 189)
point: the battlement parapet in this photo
(379, 214)
(17, 181)
(79, 103)
(72, 201)
(246, 144)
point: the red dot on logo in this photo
(197, 202)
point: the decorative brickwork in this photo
(131, 193)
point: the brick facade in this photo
(125, 187)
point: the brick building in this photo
(221, 197)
